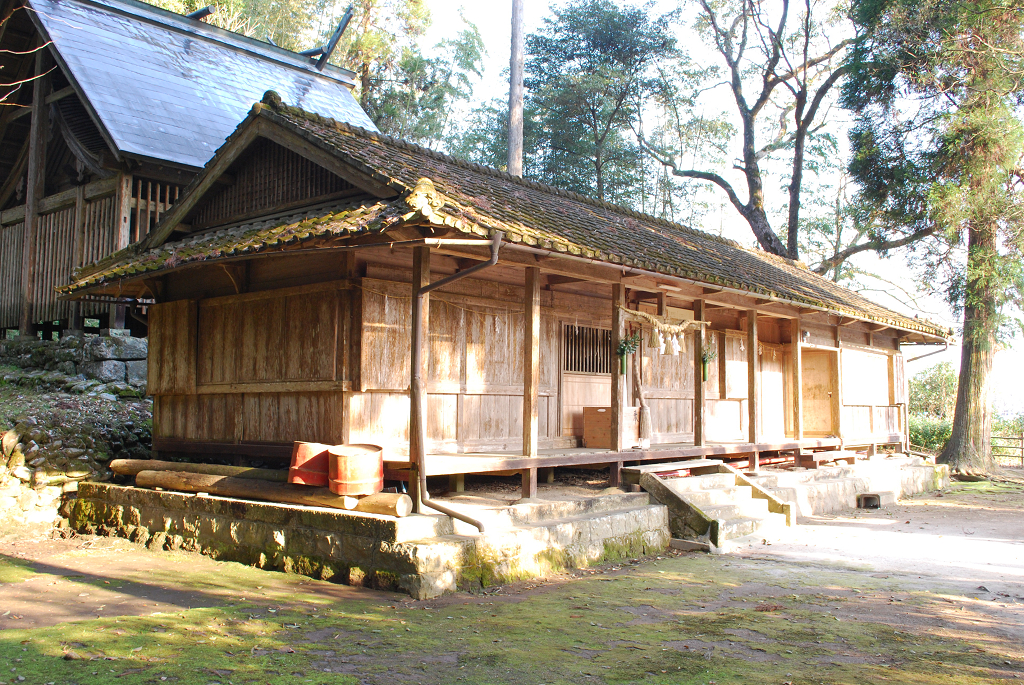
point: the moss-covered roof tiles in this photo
(481, 200)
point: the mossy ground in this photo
(674, 619)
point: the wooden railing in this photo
(1008, 450)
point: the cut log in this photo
(132, 467)
(389, 503)
(249, 488)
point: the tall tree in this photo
(515, 93)
(779, 78)
(589, 69)
(938, 145)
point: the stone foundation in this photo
(418, 554)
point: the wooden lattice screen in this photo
(587, 350)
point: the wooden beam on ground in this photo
(619, 379)
(798, 379)
(531, 362)
(753, 377)
(132, 467)
(699, 437)
(35, 189)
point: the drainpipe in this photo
(945, 346)
(417, 389)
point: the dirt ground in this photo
(927, 591)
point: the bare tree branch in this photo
(877, 244)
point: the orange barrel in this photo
(356, 469)
(309, 464)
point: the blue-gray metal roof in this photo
(170, 88)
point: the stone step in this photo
(707, 482)
(710, 498)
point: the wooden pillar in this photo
(417, 384)
(515, 93)
(753, 378)
(77, 323)
(529, 483)
(122, 233)
(35, 189)
(699, 439)
(531, 361)
(457, 482)
(723, 385)
(662, 306)
(619, 385)
(837, 394)
(798, 379)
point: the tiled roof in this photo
(481, 200)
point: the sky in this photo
(493, 19)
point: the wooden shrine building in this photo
(464, 319)
(109, 108)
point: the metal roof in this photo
(169, 88)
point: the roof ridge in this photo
(274, 101)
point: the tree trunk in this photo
(793, 224)
(969, 450)
(515, 93)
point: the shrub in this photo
(929, 432)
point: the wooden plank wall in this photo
(869, 410)
(668, 385)
(474, 378)
(11, 241)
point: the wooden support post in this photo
(122, 233)
(417, 385)
(457, 482)
(753, 377)
(836, 382)
(548, 475)
(619, 380)
(615, 474)
(798, 379)
(77, 322)
(531, 361)
(699, 439)
(662, 307)
(755, 461)
(723, 386)
(529, 490)
(35, 190)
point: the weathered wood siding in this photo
(871, 410)
(668, 387)
(11, 250)
(268, 177)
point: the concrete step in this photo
(737, 527)
(543, 511)
(746, 508)
(707, 482)
(710, 498)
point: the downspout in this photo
(417, 389)
(945, 346)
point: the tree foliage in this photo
(780, 66)
(938, 146)
(933, 391)
(406, 93)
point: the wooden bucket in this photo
(309, 464)
(356, 469)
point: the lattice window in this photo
(587, 350)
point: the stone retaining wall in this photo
(118, 361)
(417, 554)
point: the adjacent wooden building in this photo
(109, 108)
(321, 282)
